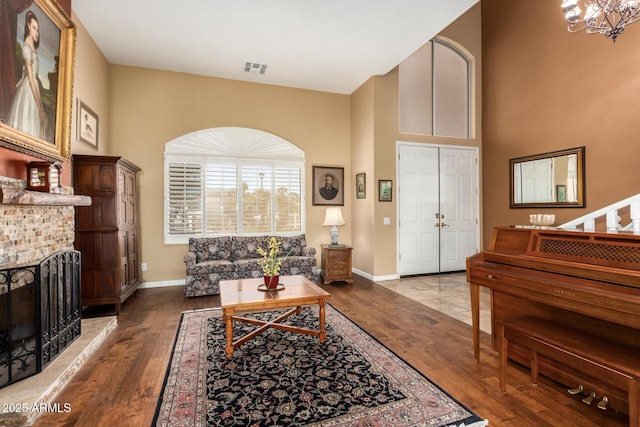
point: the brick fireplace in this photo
(39, 278)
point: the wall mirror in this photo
(554, 180)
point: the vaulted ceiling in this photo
(325, 45)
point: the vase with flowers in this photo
(271, 262)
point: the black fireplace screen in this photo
(40, 314)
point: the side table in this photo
(336, 263)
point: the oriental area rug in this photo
(288, 379)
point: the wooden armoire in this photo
(107, 232)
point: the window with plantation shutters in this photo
(222, 199)
(184, 214)
(232, 181)
(288, 199)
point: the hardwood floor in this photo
(120, 384)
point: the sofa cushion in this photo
(247, 247)
(210, 248)
(298, 261)
(292, 246)
(246, 268)
(214, 266)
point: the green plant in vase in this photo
(271, 262)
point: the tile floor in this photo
(448, 293)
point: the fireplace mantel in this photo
(9, 196)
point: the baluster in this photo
(590, 224)
(635, 215)
(613, 220)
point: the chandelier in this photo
(606, 17)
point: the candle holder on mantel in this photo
(44, 177)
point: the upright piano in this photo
(582, 283)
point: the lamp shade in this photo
(333, 216)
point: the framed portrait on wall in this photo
(361, 186)
(328, 186)
(36, 119)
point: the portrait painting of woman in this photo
(37, 46)
(27, 111)
(33, 103)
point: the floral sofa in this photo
(211, 259)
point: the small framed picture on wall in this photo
(361, 186)
(561, 193)
(87, 124)
(384, 190)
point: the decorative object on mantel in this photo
(606, 17)
(9, 196)
(542, 220)
(271, 263)
(44, 177)
(333, 217)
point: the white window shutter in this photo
(288, 199)
(222, 199)
(184, 199)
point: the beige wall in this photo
(546, 89)
(141, 109)
(539, 87)
(91, 85)
(375, 133)
(150, 108)
(362, 155)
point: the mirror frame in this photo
(580, 203)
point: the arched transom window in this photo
(232, 181)
(435, 91)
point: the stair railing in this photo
(612, 219)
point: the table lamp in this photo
(333, 217)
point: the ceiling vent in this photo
(255, 68)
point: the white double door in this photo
(438, 208)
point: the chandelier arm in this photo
(607, 17)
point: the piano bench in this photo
(614, 366)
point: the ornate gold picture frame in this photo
(37, 121)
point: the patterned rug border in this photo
(197, 398)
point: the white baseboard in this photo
(180, 282)
(375, 278)
(161, 284)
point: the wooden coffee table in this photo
(243, 295)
